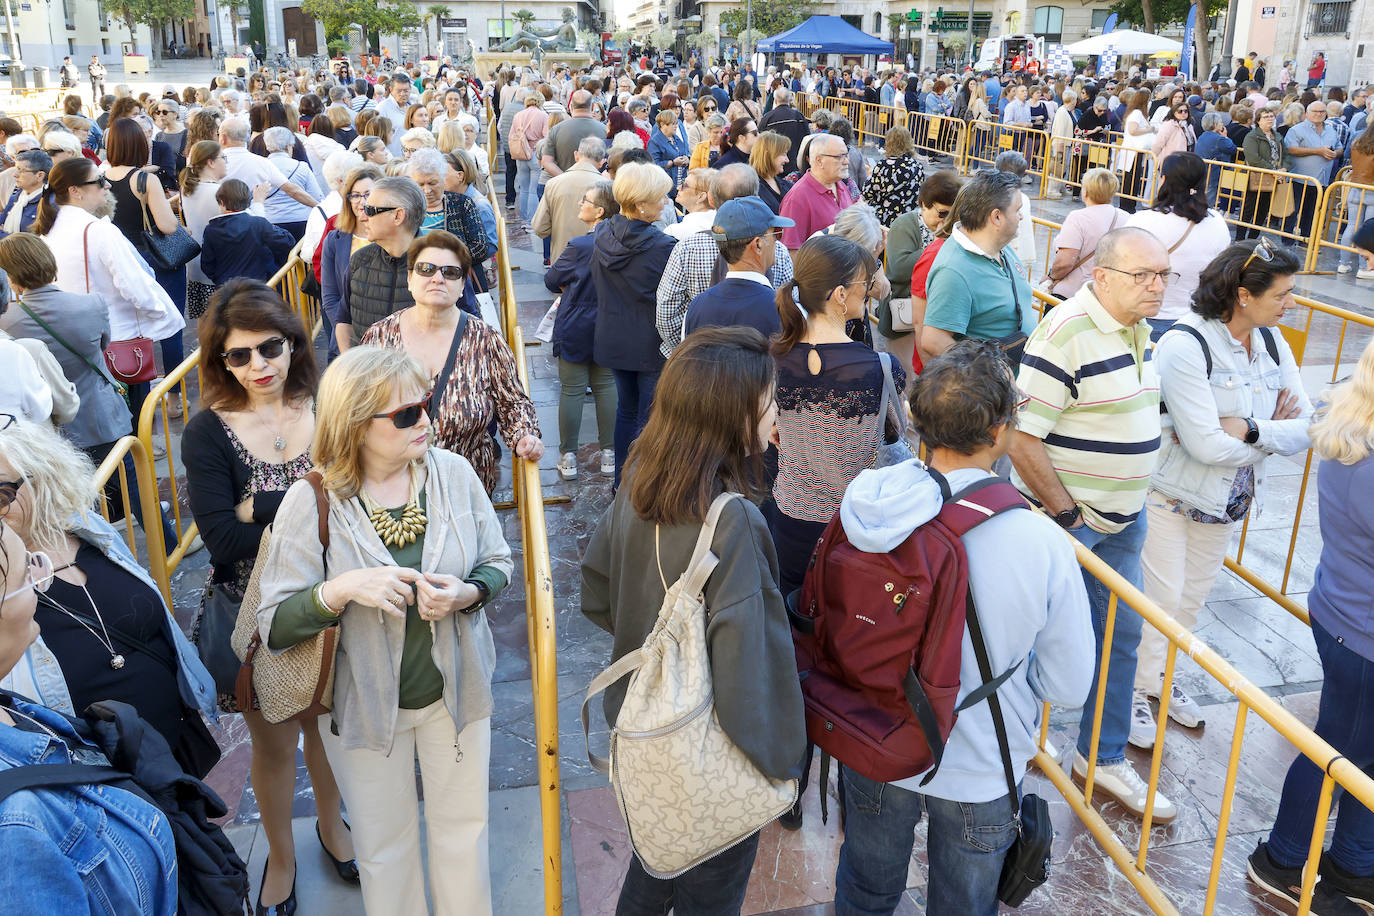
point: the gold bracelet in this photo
(319, 600)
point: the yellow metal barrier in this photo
(1069, 159)
(938, 135)
(986, 140)
(1344, 204)
(1265, 200)
(144, 473)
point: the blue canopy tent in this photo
(825, 35)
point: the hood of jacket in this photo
(620, 239)
(883, 506)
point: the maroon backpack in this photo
(879, 639)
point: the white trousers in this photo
(384, 813)
(1180, 563)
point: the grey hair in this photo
(717, 120)
(278, 140)
(427, 162)
(782, 97)
(36, 159)
(733, 182)
(338, 165)
(986, 190)
(406, 194)
(19, 143)
(1011, 161)
(60, 480)
(1211, 120)
(592, 149)
(235, 130)
(859, 223)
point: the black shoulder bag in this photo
(1027, 865)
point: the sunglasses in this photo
(426, 269)
(407, 415)
(1265, 251)
(238, 357)
(9, 492)
(370, 210)
(62, 152)
(102, 180)
(38, 573)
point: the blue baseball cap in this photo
(746, 218)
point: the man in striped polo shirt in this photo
(1086, 443)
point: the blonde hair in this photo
(1100, 185)
(59, 480)
(1344, 429)
(355, 386)
(767, 148)
(639, 183)
(451, 137)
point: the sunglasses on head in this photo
(407, 415)
(370, 210)
(1265, 251)
(238, 357)
(426, 269)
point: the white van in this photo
(1006, 47)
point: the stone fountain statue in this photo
(562, 38)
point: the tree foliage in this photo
(769, 18)
(1164, 12)
(151, 13)
(337, 15)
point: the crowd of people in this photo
(758, 309)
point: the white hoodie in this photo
(1032, 605)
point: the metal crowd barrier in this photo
(938, 135)
(146, 475)
(1257, 200)
(1344, 204)
(987, 139)
(1075, 157)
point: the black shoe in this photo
(1353, 887)
(348, 870)
(1287, 883)
(792, 817)
(286, 908)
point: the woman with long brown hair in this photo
(1132, 161)
(712, 421)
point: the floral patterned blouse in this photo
(483, 386)
(893, 187)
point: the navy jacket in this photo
(243, 245)
(574, 328)
(735, 301)
(628, 258)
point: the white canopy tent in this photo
(1123, 41)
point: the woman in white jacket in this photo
(94, 257)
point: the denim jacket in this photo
(1198, 461)
(97, 849)
(40, 667)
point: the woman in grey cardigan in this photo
(415, 553)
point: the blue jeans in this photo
(1345, 720)
(967, 843)
(1120, 551)
(635, 395)
(527, 187)
(713, 888)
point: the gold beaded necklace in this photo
(398, 532)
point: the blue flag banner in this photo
(1109, 24)
(1185, 64)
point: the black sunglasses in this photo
(58, 152)
(370, 210)
(9, 492)
(405, 416)
(238, 357)
(426, 269)
(101, 180)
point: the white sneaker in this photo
(608, 461)
(567, 466)
(1183, 709)
(1122, 783)
(1365, 274)
(1344, 268)
(1142, 721)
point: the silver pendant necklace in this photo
(116, 659)
(279, 443)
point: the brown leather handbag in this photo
(299, 682)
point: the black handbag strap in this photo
(437, 395)
(980, 651)
(56, 775)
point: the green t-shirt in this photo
(972, 295)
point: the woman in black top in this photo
(738, 144)
(1093, 124)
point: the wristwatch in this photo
(1251, 431)
(483, 595)
(1068, 518)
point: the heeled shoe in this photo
(286, 908)
(348, 870)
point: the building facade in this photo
(1278, 30)
(48, 30)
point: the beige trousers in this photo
(384, 813)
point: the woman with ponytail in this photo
(205, 169)
(1192, 233)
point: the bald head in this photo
(733, 182)
(1130, 273)
(581, 102)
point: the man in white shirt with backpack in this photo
(1030, 600)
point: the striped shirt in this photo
(1093, 397)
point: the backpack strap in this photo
(980, 651)
(978, 502)
(1270, 344)
(55, 776)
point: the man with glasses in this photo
(819, 196)
(31, 169)
(394, 106)
(1314, 145)
(1087, 440)
(377, 273)
(556, 218)
(788, 121)
(977, 286)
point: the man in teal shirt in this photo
(976, 287)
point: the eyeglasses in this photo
(357, 196)
(867, 285)
(405, 416)
(370, 210)
(9, 492)
(62, 152)
(1265, 251)
(38, 573)
(449, 272)
(238, 357)
(832, 155)
(708, 108)
(101, 180)
(1143, 277)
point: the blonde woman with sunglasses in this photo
(415, 553)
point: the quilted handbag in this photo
(164, 252)
(686, 791)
